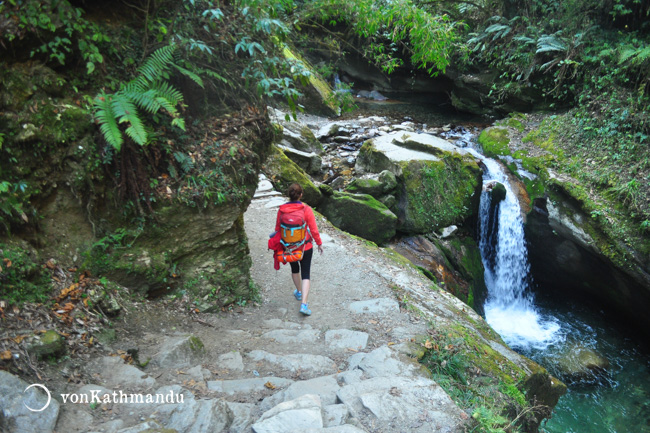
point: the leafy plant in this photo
(21, 279)
(149, 91)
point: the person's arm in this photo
(313, 229)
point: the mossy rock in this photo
(282, 172)
(437, 194)
(388, 181)
(361, 215)
(371, 160)
(51, 343)
(366, 186)
(494, 141)
(515, 122)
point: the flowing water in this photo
(617, 402)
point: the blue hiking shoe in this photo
(304, 309)
(297, 294)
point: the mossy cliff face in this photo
(71, 212)
(282, 172)
(581, 241)
(437, 194)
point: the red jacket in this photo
(312, 234)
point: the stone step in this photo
(305, 364)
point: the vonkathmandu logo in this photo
(47, 391)
(119, 397)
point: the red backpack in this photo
(293, 235)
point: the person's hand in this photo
(320, 249)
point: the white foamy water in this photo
(509, 308)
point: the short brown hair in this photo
(294, 192)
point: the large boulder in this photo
(308, 161)
(15, 399)
(437, 194)
(282, 172)
(579, 363)
(361, 215)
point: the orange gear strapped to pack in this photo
(293, 236)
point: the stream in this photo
(546, 329)
(542, 327)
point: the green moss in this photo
(320, 85)
(374, 161)
(22, 278)
(283, 172)
(366, 186)
(514, 122)
(438, 193)
(494, 141)
(196, 344)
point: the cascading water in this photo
(509, 308)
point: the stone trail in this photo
(270, 369)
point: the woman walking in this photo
(300, 270)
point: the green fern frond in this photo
(148, 100)
(550, 43)
(107, 120)
(167, 96)
(191, 75)
(179, 122)
(157, 65)
(126, 111)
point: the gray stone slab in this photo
(346, 339)
(296, 415)
(236, 386)
(290, 336)
(116, 374)
(275, 202)
(374, 306)
(179, 351)
(349, 377)
(346, 428)
(242, 414)
(325, 387)
(305, 363)
(231, 361)
(384, 362)
(264, 186)
(403, 404)
(335, 415)
(14, 414)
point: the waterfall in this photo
(509, 307)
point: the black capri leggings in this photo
(305, 264)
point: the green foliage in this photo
(61, 28)
(22, 279)
(489, 422)
(392, 27)
(149, 91)
(14, 197)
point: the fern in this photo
(550, 43)
(150, 92)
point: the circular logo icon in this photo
(47, 391)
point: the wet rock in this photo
(338, 183)
(346, 339)
(247, 386)
(361, 215)
(328, 130)
(375, 306)
(578, 363)
(14, 414)
(295, 415)
(300, 137)
(306, 364)
(448, 231)
(180, 352)
(48, 344)
(325, 387)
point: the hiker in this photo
(300, 268)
